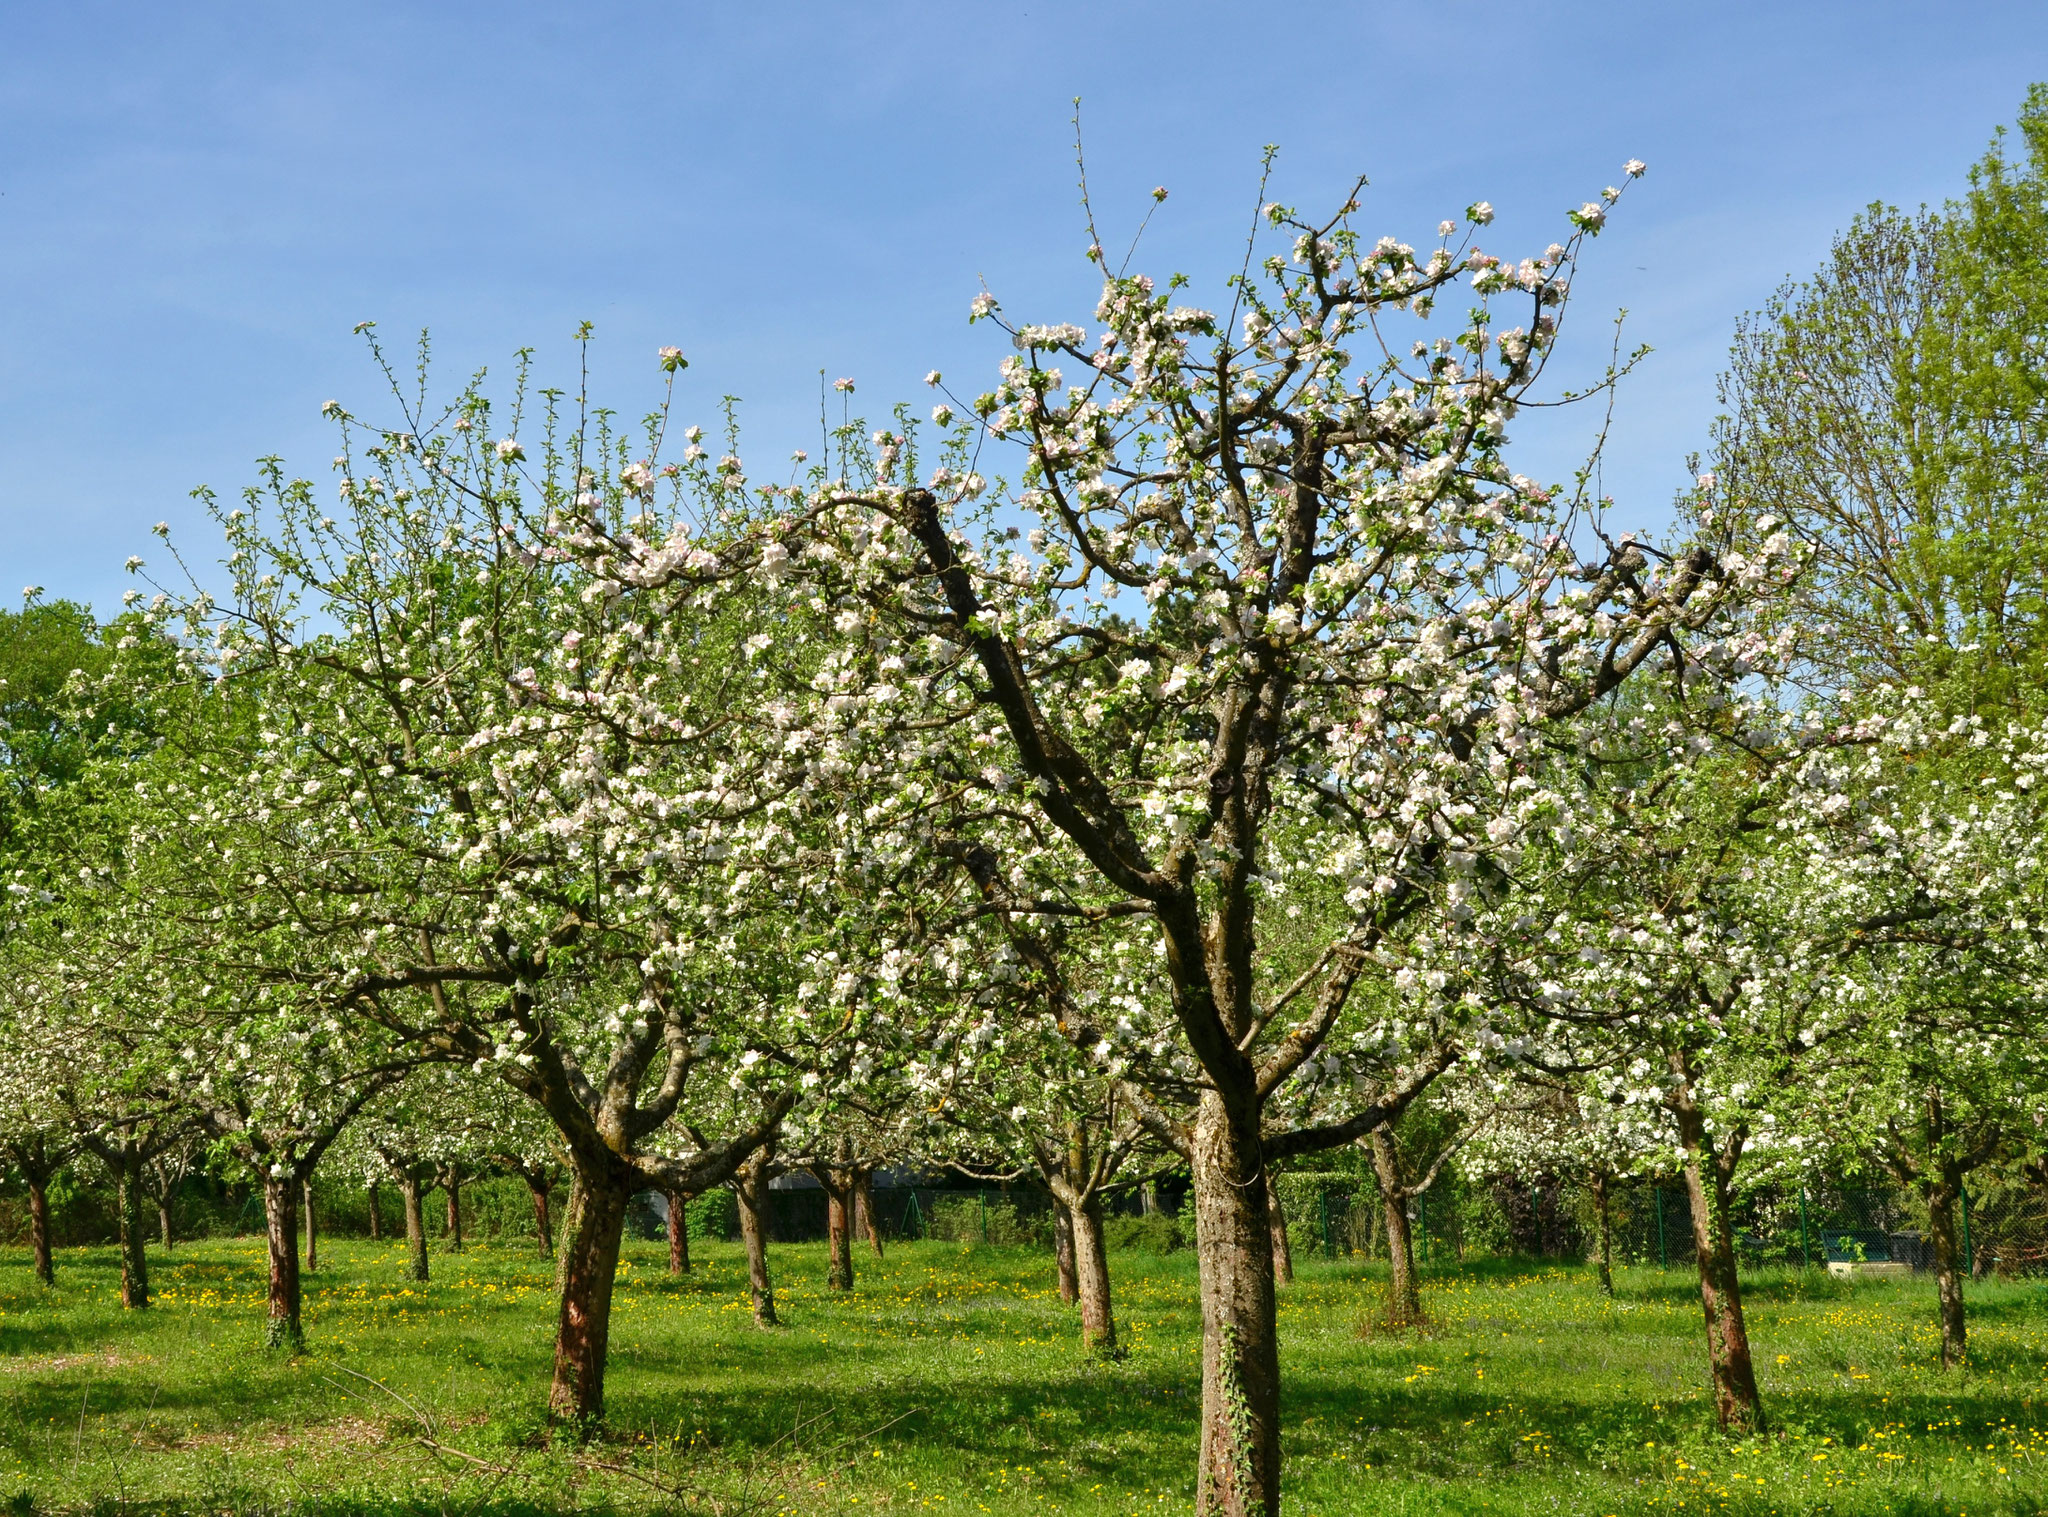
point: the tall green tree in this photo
(1892, 408)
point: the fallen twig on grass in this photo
(429, 1439)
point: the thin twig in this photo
(424, 1420)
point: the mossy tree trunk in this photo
(39, 1229)
(281, 1228)
(411, 1185)
(591, 1236)
(751, 1186)
(1404, 1288)
(1604, 1246)
(134, 1257)
(1063, 1253)
(678, 1234)
(1091, 1278)
(1709, 1180)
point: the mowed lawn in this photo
(950, 1381)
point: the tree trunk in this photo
(1404, 1290)
(376, 1220)
(1239, 1472)
(543, 1225)
(1091, 1275)
(1063, 1252)
(590, 1261)
(678, 1235)
(415, 1222)
(281, 1224)
(839, 1233)
(312, 1231)
(1948, 1265)
(453, 1184)
(752, 1186)
(864, 1209)
(572, 1211)
(1736, 1401)
(1604, 1257)
(1283, 1252)
(134, 1261)
(39, 1229)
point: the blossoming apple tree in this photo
(1353, 621)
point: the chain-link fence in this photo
(1008, 1216)
(2002, 1225)
(2002, 1228)
(798, 1214)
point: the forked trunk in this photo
(864, 1209)
(376, 1218)
(751, 1184)
(1736, 1402)
(1604, 1258)
(678, 1235)
(39, 1229)
(1283, 1252)
(590, 1261)
(839, 1235)
(1404, 1290)
(163, 1223)
(1091, 1274)
(1239, 1472)
(1063, 1252)
(415, 1223)
(281, 1224)
(312, 1231)
(543, 1224)
(1948, 1266)
(134, 1261)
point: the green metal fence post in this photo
(1323, 1197)
(982, 1197)
(1422, 1220)
(1663, 1258)
(1969, 1263)
(1805, 1247)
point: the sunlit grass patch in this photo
(951, 1380)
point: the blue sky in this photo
(198, 201)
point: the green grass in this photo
(950, 1382)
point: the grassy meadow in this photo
(950, 1381)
